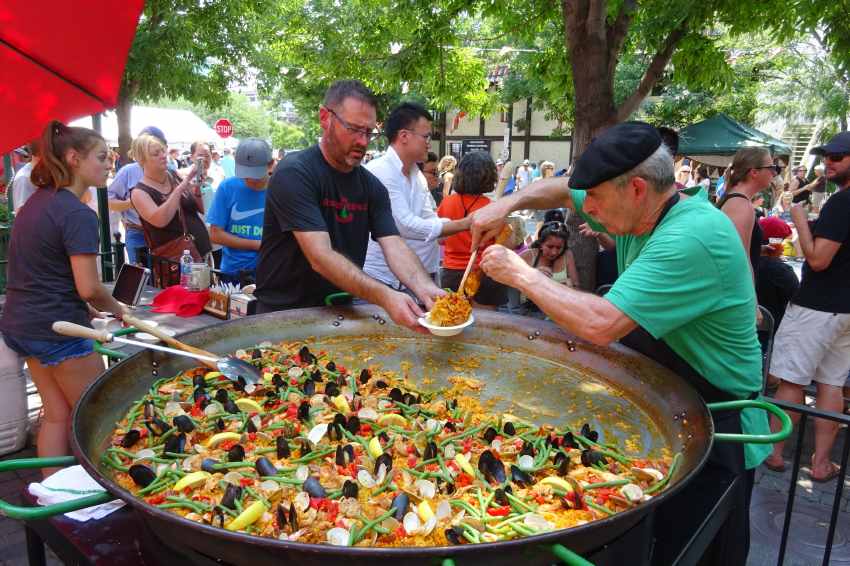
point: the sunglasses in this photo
(835, 157)
(777, 169)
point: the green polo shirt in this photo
(689, 284)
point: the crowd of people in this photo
(688, 273)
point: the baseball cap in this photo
(525, 162)
(615, 151)
(840, 143)
(252, 158)
(155, 132)
(774, 227)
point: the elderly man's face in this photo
(617, 208)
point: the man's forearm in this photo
(116, 205)
(454, 226)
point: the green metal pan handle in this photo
(772, 438)
(562, 553)
(329, 300)
(114, 354)
(47, 511)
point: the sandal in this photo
(828, 477)
(774, 467)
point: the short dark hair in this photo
(670, 138)
(553, 215)
(432, 157)
(403, 117)
(349, 88)
(475, 174)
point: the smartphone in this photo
(200, 174)
(130, 284)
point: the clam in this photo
(338, 536)
(172, 409)
(233, 477)
(144, 454)
(302, 472)
(142, 474)
(647, 474)
(525, 463)
(425, 488)
(294, 372)
(301, 501)
(444, 510)
(449, 451)
(365, 479)
(411, 523)
(213, 409)
(537, 522)
(367, 413)
(317, 433)
(632, 492)
(269, 486)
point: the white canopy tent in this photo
(181, 127)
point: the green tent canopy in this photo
(717, 138)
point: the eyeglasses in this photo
(777, 169)
(370, 134)
(553, 226)
(426, 137)
(835, 157)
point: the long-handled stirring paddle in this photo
(460, 288)
(233, 368)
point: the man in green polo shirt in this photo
(684, 297)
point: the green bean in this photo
(194, 505)
(481, 503)
(612, 483)
(673, 465)
(354, 438)
(312, 456)
(232, 465)
(463, 505)
(426, 462)
(112, 463)
(523, 529)
(512, 519)
(357, 534)
(520, 503)
(461, 435)
(596, 507)
(257, 496)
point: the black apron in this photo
(731, 545)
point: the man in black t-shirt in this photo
(322, 207)
(813, 341)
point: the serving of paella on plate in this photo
(320, 453)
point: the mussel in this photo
(199, 394)
(331, 389)
(490, 434)
(313, 488)
(142, 475)
(450, 426)
(309, 388)
(491, 467)
(569, 441)
(400, 504)
(176, 443)
(365, 375)
(231, 494)
(454, 535)
(278, 381)
(183, 423)
(381, 384)
(330, 366)
(217, 515)
(396, 394)
(149, 410)
(591, 457)
(509, 429)
(282, 447)
(430, 450)
(500, 497)
(130, 438)
(264, 467)
(409, 399)
(231, 407)
(250, 426)
(588, 433)
(236, 453)
(221, 395)
(209, 464)
(305, 447)
(157, 426)
(562, 463)
(344, 454)
(316, 376)
(520, 477)
(306, 356)
(199, 381)
(527, 449)
(384, 437)
(384, 459)
(349, 489)
(304, 411)
(219, 424)
(353, 424)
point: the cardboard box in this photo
(242, 305)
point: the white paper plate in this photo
(151, 337)
(444, 330)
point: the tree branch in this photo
(596, 15)
(617, 34)
(653, 72)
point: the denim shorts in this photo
(50, 352)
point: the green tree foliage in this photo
(289, 136)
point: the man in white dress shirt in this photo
(408, 129)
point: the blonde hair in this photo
(143, 146)
(447, 164)
(547, 165)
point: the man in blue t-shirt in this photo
(236, 214)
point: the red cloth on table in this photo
(178, 300)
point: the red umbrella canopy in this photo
(60, 60)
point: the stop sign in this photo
(223, 128)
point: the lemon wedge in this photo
(216, 439)
(248, 405)
(555, 481)
(424, 511)
(341, 404)
(247, 517)
(191, 480)
(388, 419)
(464, 464)
(375, 448)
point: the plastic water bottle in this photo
(186, 270)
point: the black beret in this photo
(615, 151)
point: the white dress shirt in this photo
(414, 214)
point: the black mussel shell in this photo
(264, 467)
(256, 354)
(309, 388)
(199, 381)
(384, 459)
(490, 434)
(198, 394)
(349, 489)
(316, 376)
(396, 394)
(339, 456)
(520, 477)
(331, 389)
(176, 443)
(130, 438)
(221, 395)
(588, 433)
(231, 407)
(304, 411)
(409, 399)
(220, 424)
(239, 384)
(149, 411)
(142, 475)
(157, 426)
(450, 426)
(330, 366)
(208, 465)
(430, 450)
(384, 437)
(562, 462)
(250, 426)
(306, 356)
(592, 457)
(527, 449)
(231, 494)
(271, 393)
(550, 441)
(400, 504)
(293, 517)
(341, 380)
(277, 381)
(381, 384)
(236, 453)
(203, 403)
(217, 514)
(450, 488)
(509, 428)
(282, 520)
(491, 467)
(282, 447)
(365, 375)
(305, 447)
(353, 424)
(453, 404)
(183, 423)
(569, 441)
(348, 449)
(500, 497)
(454, 535)
(313, 488)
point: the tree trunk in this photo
(126, 96)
